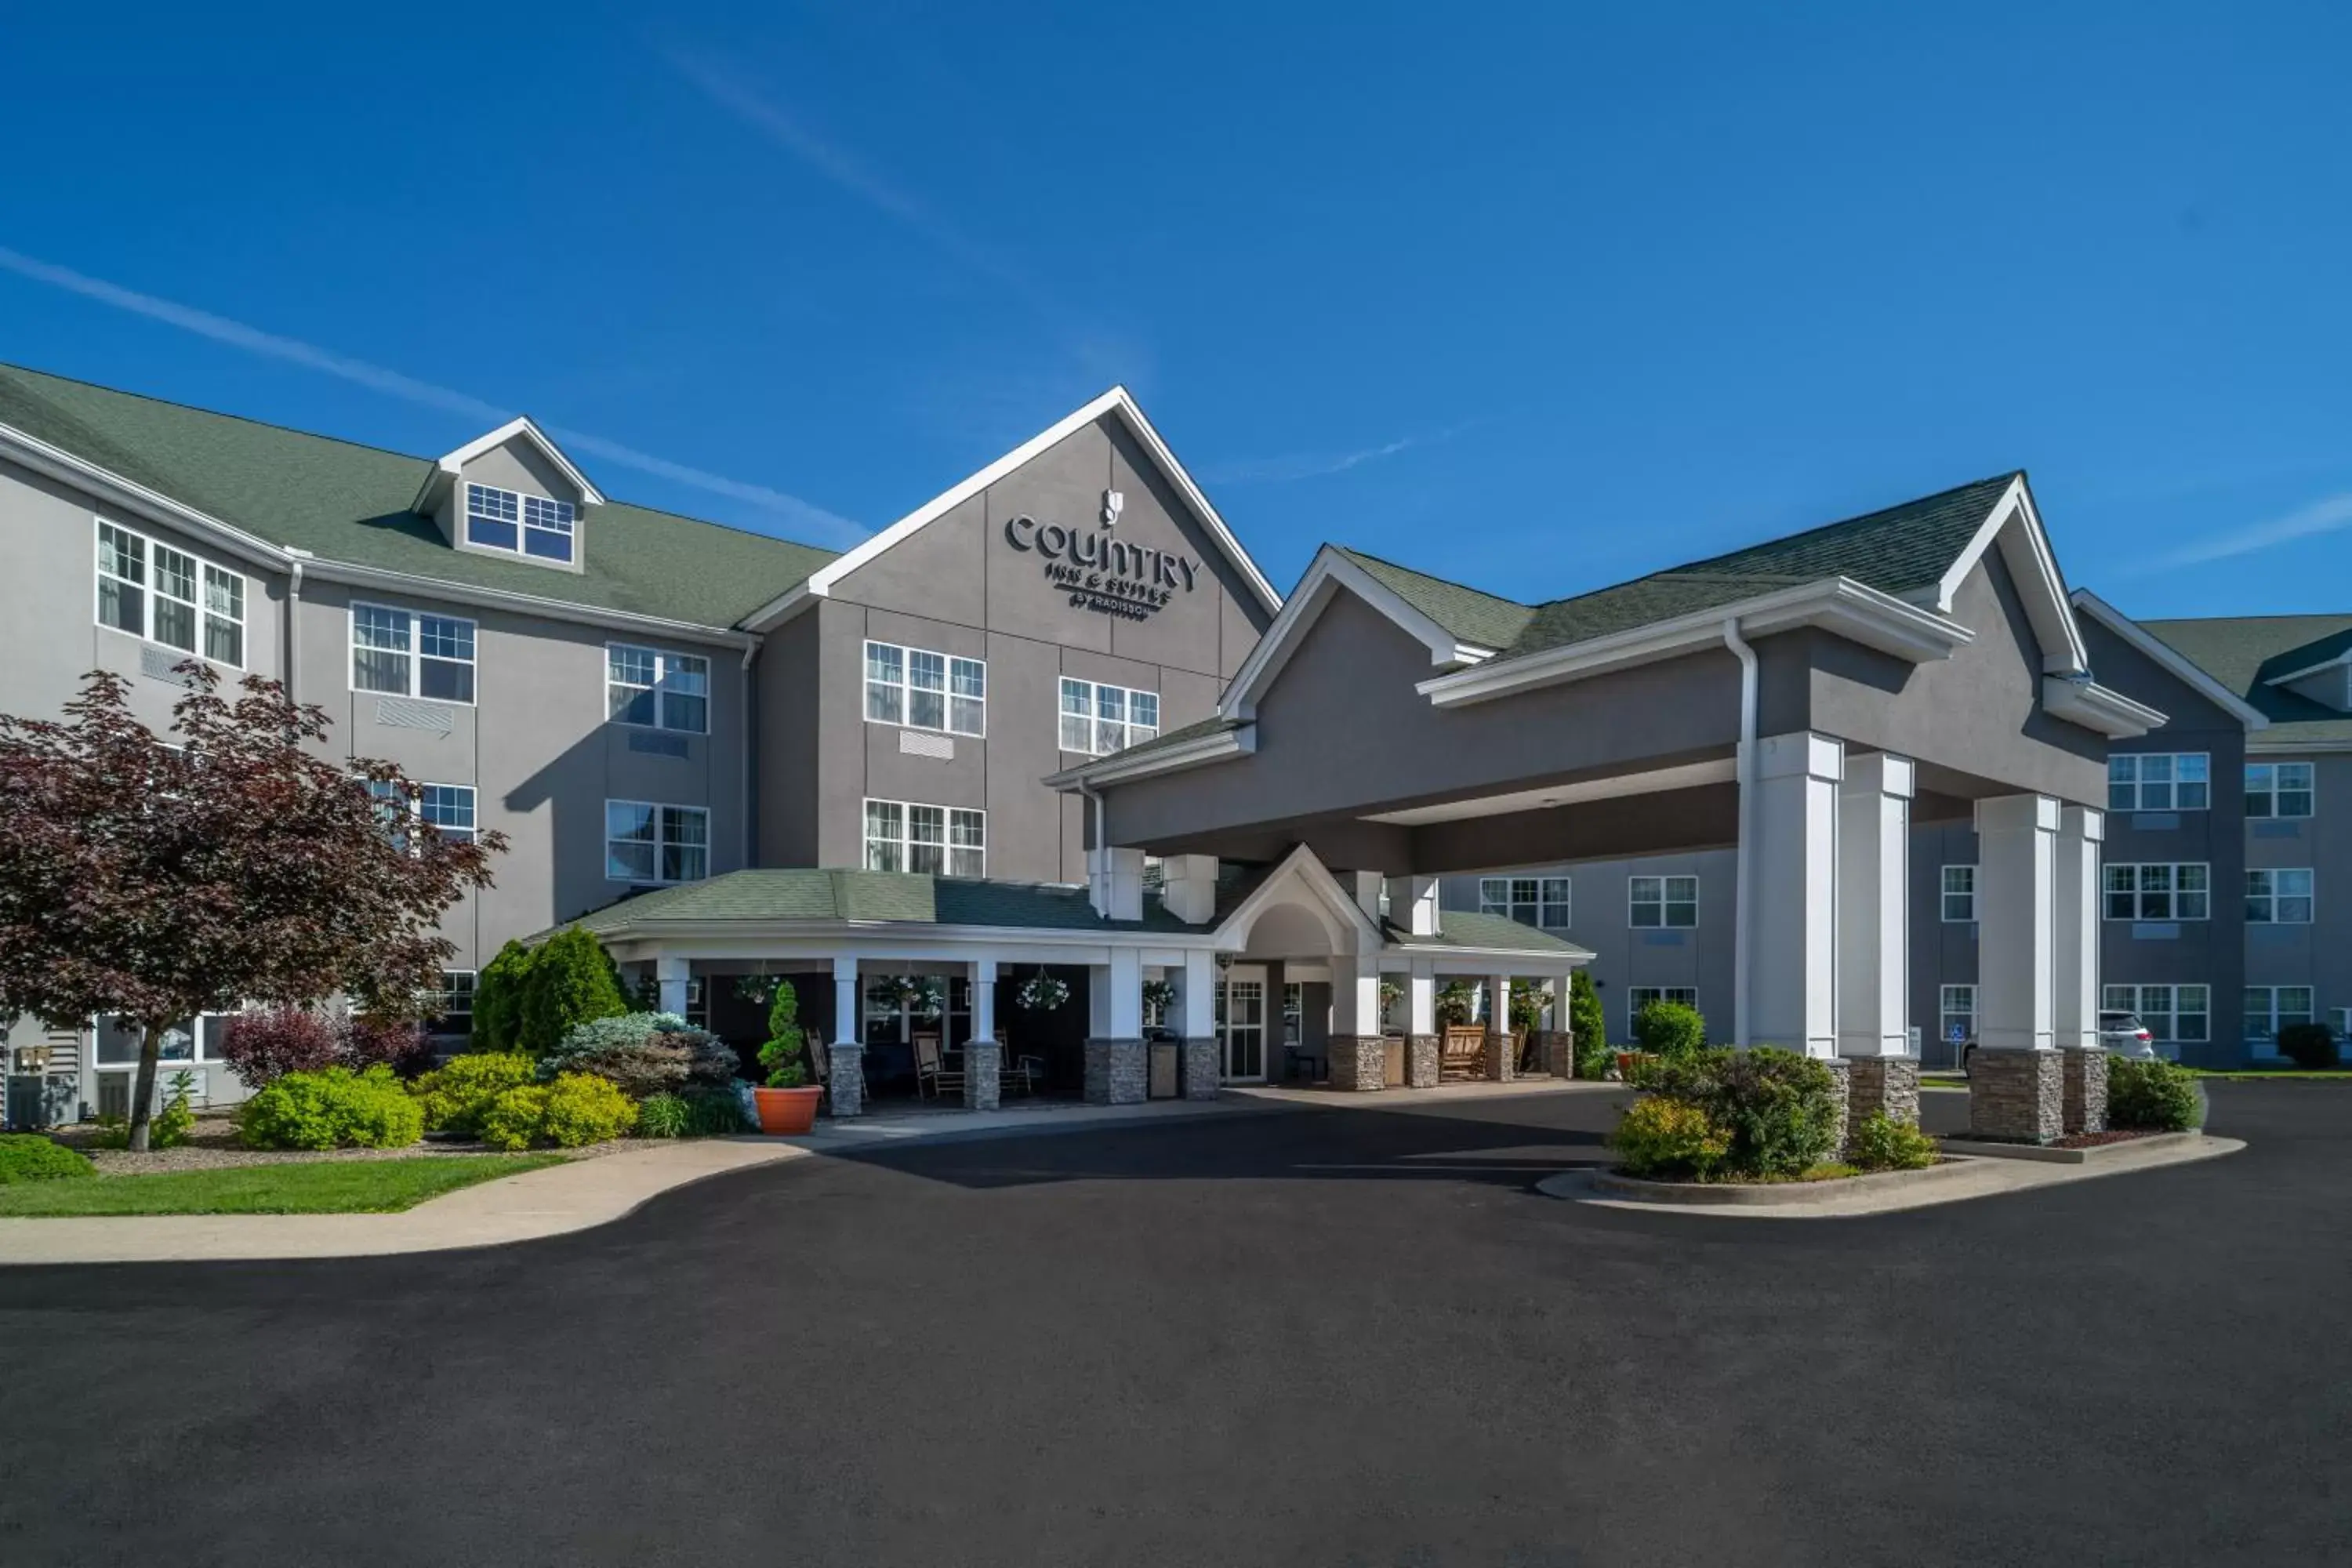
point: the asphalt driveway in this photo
(1324, 1337)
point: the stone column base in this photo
(1555, 1049)
(1202, 1068)
(845, 1079)
(1360, 1062)
(1890, 1084)
(1841, 1070)
(1421, 1069)
(1501, 1062)
(2082, 1100)
(1118, 1072)
(2017, 1096)
(984, 1061)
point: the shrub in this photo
(1454, 999)
(333, 1108)
(644, 1053)
(264, 1044)
(783, 1055)
(498, 999)
(1588, 1023)
(664, 1116)
(1879, 1142)
(2311, 1046)
(714, 1113)
(2151, 1094)
(30, 1157)
(1780, 1108)
(513, 1121)
(177, 1119)
(1670, 1029)
(1670, 1138)
(1526, 1005)
(572, 981)
(400, 1044)
(577, 1109)
(658, 1065)
(454, 1096)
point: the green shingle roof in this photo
(2245, 653)
(349, 503)
(1471, 616)
(1466, 928)
(831, 897)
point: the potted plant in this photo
(787, 1101)
(1040, 993)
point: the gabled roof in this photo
(821, 897)
(1478, 932)
(2248, 654)
(1470, 614)
(344, 502)
(2170, 659)
(445, 472)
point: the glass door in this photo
(1241, 1022)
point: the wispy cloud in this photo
(1313, 465)
(804, 516)
(2329, 514)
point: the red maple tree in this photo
(153, 878)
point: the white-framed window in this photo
(2279, 897)
(2270, 1008)
(648, 842)
(1097, 718)
(166, 596)
(2278, 789)
(524, 525)
(2156, 890)
(452, 1007)
(1539, 901)
(932, 840)
(2172, 1012)
(2159, 780)
(408, 653)
(1640, 997)
(2339, 1021)
(1670, 901)
(448, 809)
(648, 689)
(1959, 893)
(926, 691)
(1956, 1010)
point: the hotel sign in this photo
(1102, 571)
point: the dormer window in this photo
(527, 525)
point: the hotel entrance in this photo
(1241, 1022)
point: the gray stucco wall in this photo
(2319, 955)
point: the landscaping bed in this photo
(1795, 1191)
(212, 1145)
(316, 1186)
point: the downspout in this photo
(1742, 890)
(751, 762)
(1096, 855)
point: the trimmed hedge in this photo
(1670, 1029)
(2311, 1046)
(454, 1095)
(334, 1108)
(577, 1109)
(2153, 1095)
(30, 1157)
(1879, 1142)
(1782, 1110)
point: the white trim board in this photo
(2015, 523)
(2169, 658)
(1330, 572)
(445, 472)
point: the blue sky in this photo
(1541, 297)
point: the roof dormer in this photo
(512, 493)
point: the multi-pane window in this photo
(2270, 1008)
(409, 654)
(1540, 901)
(657, 690)
(2159, 780)
(1956, 1013)
(453, 1005)
(2158, 891)
(649, 843)
(2279, 897)
(2278, 789)
(1640, 997)
(448, 807)
(529, 525)
(932, 840)
(1099, 719)
(1662, 900)
(149, 589)
(926, 691)
(2173, 1013)
(1960, 892)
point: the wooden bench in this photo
(1462, 1053)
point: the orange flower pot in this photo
(783, 1111)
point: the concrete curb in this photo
(1766, 1194)
(2097, 1154)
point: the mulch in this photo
(212, 1145)
(2100, 1140)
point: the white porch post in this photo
(1421, 1053)
(845, 1064)
(1203, 1065)
(2075, 1019)
(1874, 919)
(670, 974)
(1359, 1057)
(2015, 1078)
(1792, 905)
(1502, 1061)
(984, 1059)
(1116, 1060)
(983, 999)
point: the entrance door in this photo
(1241, 1022)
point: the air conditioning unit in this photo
(35, 1101)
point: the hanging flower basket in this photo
(1158, 995)
(1043, 994)
(920, 995)
(757, 989)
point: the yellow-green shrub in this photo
(577, 1109)
(1661, 1137)
(456, 1095)
(333, 1108)
(1879, 1142)
(513, 1121)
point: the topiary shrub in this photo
(572, 981)
(1589, 1024)
(577, 1109)
(1879, 1142)
(30, 1157)
(1669, 1029)
(454, 1096)
(266, 1044)
(334, 1108)
(498, 999)
(1780, 1108)
(1671, 1138)
(2150, 1094)
(783, 1055)
(2311, 1046)
(664, 1116)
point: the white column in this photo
(2017, 852)
(983, 999)
(2075, 1014)
(1420, 998)
(1200, 1000)
(1498, 1003)
(1355, 994)
(1791, 901)
(848, 1003)
(671, 975)
(1115, 996)
(1873, 913)
(1115, 883)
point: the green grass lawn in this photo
(2272, 1075)
(324, 1186)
